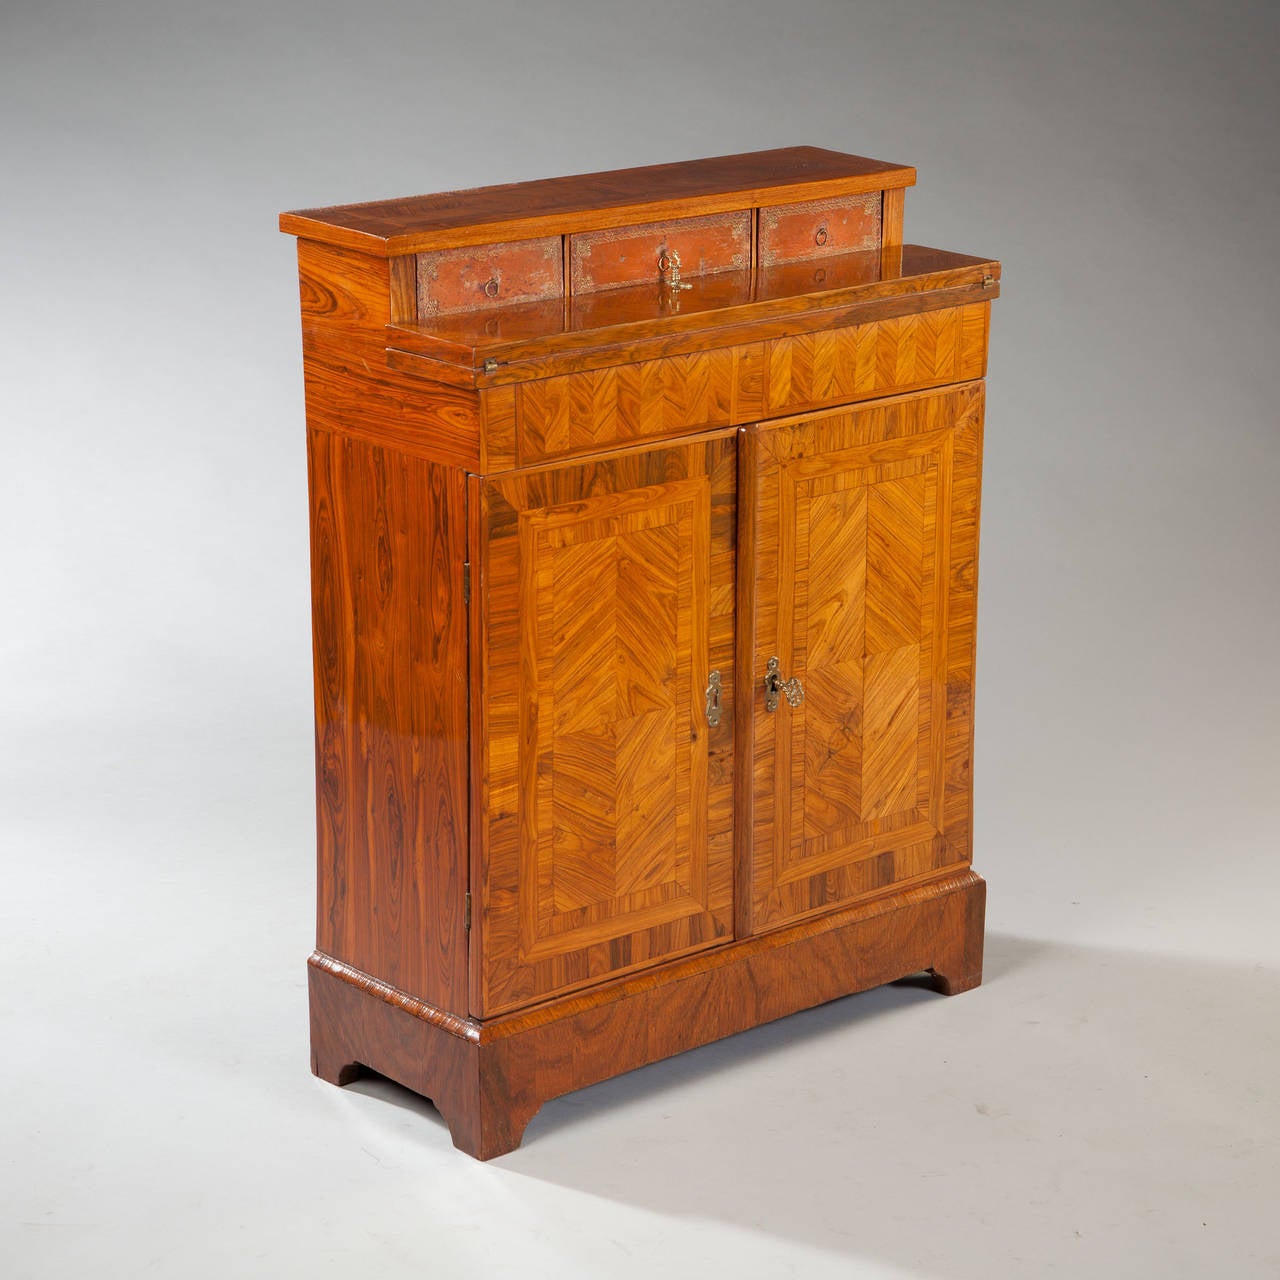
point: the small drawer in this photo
(626, 404)
(629, 255)
(816, 228)
(869, 361)
(489, 275)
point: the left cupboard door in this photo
(603, 600)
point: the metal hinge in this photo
(491, 365)
(466, 915)
(466, 582)
(988, 282)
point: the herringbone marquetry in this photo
(601, 625)
(861, 507)
(579, 412)
(643, 615)
(598, 408)
(899, 354)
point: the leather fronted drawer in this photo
(816, 228)
(490, 275)
(629, 255)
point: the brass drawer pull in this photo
(491, 287)
(820, 236)
(774, 685)
(669, 270)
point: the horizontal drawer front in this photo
(629, 255)
(815, 228)
(905, 353)
(494, 275)
(603, 408)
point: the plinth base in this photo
(488, 1079)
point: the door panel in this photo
(862, 529)
(608, 596)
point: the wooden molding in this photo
(489, 1078)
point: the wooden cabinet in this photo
(644, 515)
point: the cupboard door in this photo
(605, 600)
(859, 568)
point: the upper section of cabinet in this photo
(514, 325)
(592, 201)
(715, 311)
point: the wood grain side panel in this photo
(390, 650)
(609, 596)
(350, 388)
(482, 727)
(962, 589)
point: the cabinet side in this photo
(347, 301)
(388, 543)
(388, 537)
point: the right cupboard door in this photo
(859, 576)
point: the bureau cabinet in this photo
(644, 518)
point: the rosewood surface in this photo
(388, 542)
(582, 202)
(566, 516)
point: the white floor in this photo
(1106, 1105)
(1086, 1112)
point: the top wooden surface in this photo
(590, 201)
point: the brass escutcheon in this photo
(713, 699)
(775, 687)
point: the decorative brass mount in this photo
(775, 685)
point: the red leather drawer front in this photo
(815, 228)
(629, 255)
(489, 275)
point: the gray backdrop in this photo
(157, 820)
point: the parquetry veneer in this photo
(644, 519)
